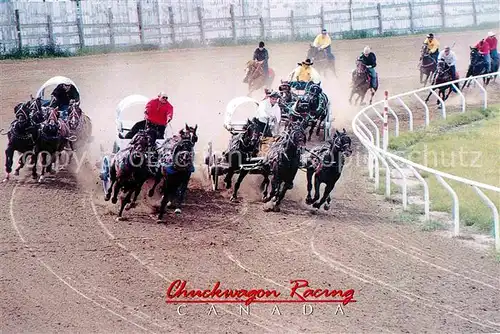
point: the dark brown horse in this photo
(361, 83)
(255, 76)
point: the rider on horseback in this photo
(450, 59)
(269, 112)
(304, 74)
(484, 48)
(432, 46)
(324, 42)
(63, 94)
(262, 56)
(493, 42)
(369, 59)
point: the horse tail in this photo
(1, 132)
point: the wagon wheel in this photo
(105, 174)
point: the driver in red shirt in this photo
(159, 113)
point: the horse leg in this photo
(275, 182)
(317, 184)
(237, 185)
(309, 176)
(158, 178)
(20, 165)
(125, 201)
(321, 120)
(311, 130)
(421, 76)
(328, 189)
(116, 190)
(228, 179)
(265, 185)
(9, 160)
(132, 204)
(163, 203)
(428, 97)
(181, 192)
(352, 94)
(34, 173)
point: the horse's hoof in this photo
(177, 211)
(160, 221)
(169, 204)
(234, 199)
(309, 201)
(228, 185)
(119, 219)
(316, 205)
(114, 200)
(16, 173)
(40, 180)
(326, 207)
(107, 197)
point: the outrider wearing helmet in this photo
(261, 44)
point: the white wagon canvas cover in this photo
(237, 104)
(54, 81)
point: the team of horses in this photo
(172, 164)
(40, 131)
(280, 163)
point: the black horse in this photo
(319, 106)
(176, 164)
(321, 61)
(428, 65)
(242, 147)
(22, 137)
(53, 138)
(361, 83)
(477, 66)
(129, 170)
(443, 75)
(326, 163)
(282, 161)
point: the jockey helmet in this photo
(261, 44)
(366, 50)
(431, 35)
(491, 34)
(323, 31)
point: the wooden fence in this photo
(80, 23)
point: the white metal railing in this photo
(377, 142)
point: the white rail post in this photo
(386, 125)
(485, 94)
(426, 192)
(426, 108)
(443, 106)
(410, 114)
(496, 224)
(462, 97)
(404, 195)
(456, 208)
(371, 157)
(396, 118)
(374, 161)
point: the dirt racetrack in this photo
(67, 266)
